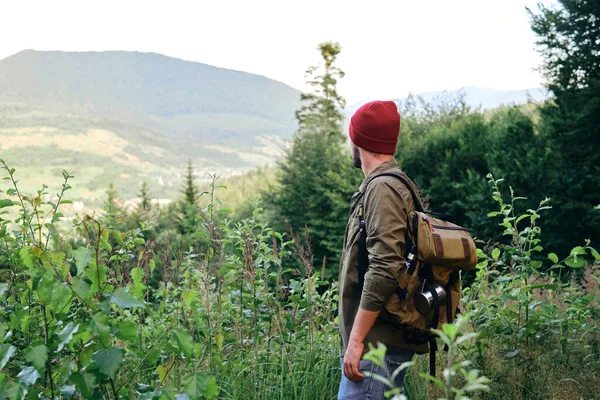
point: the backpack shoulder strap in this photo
(363, 256)
(409, 186)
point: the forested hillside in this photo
(126, 117)
(149, 90)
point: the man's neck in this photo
(370, 163)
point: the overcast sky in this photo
(389, 47)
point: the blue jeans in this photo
(370, 388)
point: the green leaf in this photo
(536, 264)
(127, 331)
(81, 288)
(6, 203)
(595, 253)
(67, 392)
(137, 276)
(6, 352)
(117, 236)
(16, 391)
(573, 263)
(86, 383)
(161, 372)
(3, 288)
(184, 342)
(37, 354)
(97, 276)
(109, 361)
(122, 298)
(577, 251)
(104, 241)
(553, 257)
(450, 330)
(522, 217)
(28, 376)
(465, 337)
(99, 326)
(200, 385)
(65, 336)
(433, 379)
(219, 341)
(212, 389)
(495, 253)
(83, 258)
(26, 256)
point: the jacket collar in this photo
(381, 168)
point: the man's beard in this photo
(356, 157)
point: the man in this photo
(374, 130)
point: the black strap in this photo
(434, 324)
(454, 277)
(363, 257)
(448, 308)
(432, 350)
(414, 246)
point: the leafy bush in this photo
(87, 321)
(537, 326)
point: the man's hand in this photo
(362, 325)
(352, 361)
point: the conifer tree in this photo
(316, 179)
(186, 220)
(112, 196)
(190, 190)
(144, 195)
(568, 40)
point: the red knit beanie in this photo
(375, 127)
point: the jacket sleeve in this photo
(386, 220)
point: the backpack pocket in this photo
(400, 309)
(442, 243)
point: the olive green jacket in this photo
(387, 203)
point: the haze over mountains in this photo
(477, 97)
(124, 117)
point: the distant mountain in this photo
(480, 97)
(152, 91)
(124, 117)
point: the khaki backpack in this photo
(428, 291)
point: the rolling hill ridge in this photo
(149, 90)
(124, 117)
